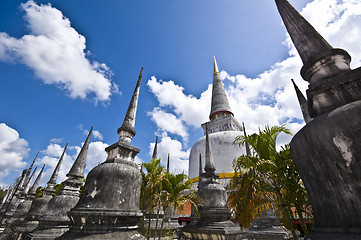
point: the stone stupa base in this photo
(103, 224)
(50, 233)
(331, 234)
(226, 230)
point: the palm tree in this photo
(151, 190)
(266, 179)
(161, 189)
(176, 195)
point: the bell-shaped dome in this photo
(223, 151)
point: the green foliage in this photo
(39, 192)
(161, 190)
(57, 189)
(267, 179)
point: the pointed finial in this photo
(215, 66)
(54, 176)
(126, 131)
(155, 150)
(32, 190)
(32, 164)
(248, 152)
(27, 185)
(303, 103)
(320, 59)
(220, 104)
(209, 167)
(77, 170)
(29, 170)
(168, 164)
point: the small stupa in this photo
(55, 221)
(214, 221)
(109, 205)
(39, 205)
(327, 151)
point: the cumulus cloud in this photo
(168, 122)
(13, 150)
(269, 99)
(55, 52)
(178, 159)
(51, 155)
(96, 154)
(187, 107)
(95, 133)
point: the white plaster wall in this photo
(223, 150)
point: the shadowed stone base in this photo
(131, 234)
(218, 231)
(47, 233)
(103, 224)
(24, 227)
(267, 227)
(331, 236)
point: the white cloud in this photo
(13, 150)
(57, 140)
(270, 99)
(187, 107)
(168, 122)
(178, 158)
(54, 51)
(96, 154)
(97, 135)
(50, 158)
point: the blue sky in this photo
(68, 65)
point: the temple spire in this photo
(215, 66)
(54, 176)
(30, 168)
(155, 150)
(36, 183)
(27, 185)
(311, 46)
(209, 165)
(220, 103)
(126, 131)
(77, 170)
(32, 164)
(303, 103)
(248, 152)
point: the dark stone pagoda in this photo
(109, 205)
(55, 221)
(39, 205)
(214, 221)
(327, 151)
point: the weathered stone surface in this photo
(267, 227)
(55, 221)
(109, 204)
(214, 221)
(327, 154)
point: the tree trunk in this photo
(161, 228)
(286, 215)
(302, 220)
(150, 216)
(156, 224)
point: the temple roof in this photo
(219, 98)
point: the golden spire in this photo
(215, 66)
